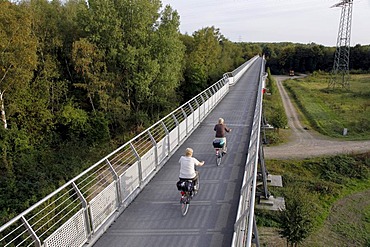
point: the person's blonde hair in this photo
(220, 120)
(189, 152)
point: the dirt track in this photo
(308, 143)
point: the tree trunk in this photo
(3, 118)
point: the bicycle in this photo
(187, 191)
(218, 145)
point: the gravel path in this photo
(308, 143)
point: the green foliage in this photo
(267, 218)
(271, 83)
(310, 189)
(279, 119)
(297, 219)
(208, 56)
(17, 47)
(340, 167)
(250, 49)
(359, 58)
(17, 56)
(200, 63)
(75, 118)
(88, 60)
(366, 217)
(272, 137)
(307, 58)
(273, 109)
(169, 52)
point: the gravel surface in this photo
(304, 143)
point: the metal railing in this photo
(80, 211)
(243, 227)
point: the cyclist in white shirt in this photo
(187, 167)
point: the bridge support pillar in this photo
(255, 239)
(263, 173)
(264, 199)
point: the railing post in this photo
(31, 232)
(204, 107)
(255, 232)
(192, 112)
(198, 107)
(186, 119)
(264, 172)
(168, 137)
(139, 163)
(155, 148)
(118, 182)
(213, 96)
(209, 99)
(84, 205)
(178, 129)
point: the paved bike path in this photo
(154, 217)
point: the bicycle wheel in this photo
(196, 187)
(218, 158)
(185, 204)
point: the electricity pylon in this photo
(341, 59)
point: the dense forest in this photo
(306, 58)
(80, 78)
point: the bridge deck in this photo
(154, 217)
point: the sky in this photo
(297, 21)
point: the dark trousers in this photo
(194, 179)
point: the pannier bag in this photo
(218, 143)
(184, 185)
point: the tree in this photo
(359, 57)
(201, 64)
(17, 54)
(268, 51)
(250, 50)
(278, 118)
(44, 95)
(296, 219)
(88, 60)
(287, 58)
(271, 83)
(231, 57)
(139, 68)
(208, 50)
(168, 51)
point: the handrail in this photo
(82, 208)
(243, 227)
(234, 76)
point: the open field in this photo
(331, 111)
(346, 225)
(301, 141)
